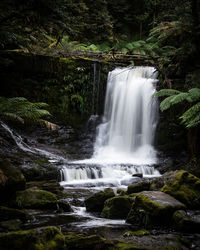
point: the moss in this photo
(11, 225)
(152, 207)
(95, 202)
(35, 239)
(138, 233)
(36, 198)
(11, 179)
(80, 241)
(117, 207)
(138, 187)
(10, 213)
(125, 246)
(184, 187)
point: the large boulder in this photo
(11, 180)
(117, 207)
(187, 221)
(34, 239)
(185, 187)
(153, 208)
(138, 187)
(36, 199)
(95, 202)
(7, 213)
(80, 241)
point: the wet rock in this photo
(10, 225)
(140, 175)
(185, 187)
(187, 221)
(40, 238)
(11, 213)
(36, 199)
(153, 208)
(121, 191)
(51, 186)
(95, 202)
(82, 242)
(117, 207)
(139, 233)
(64, 206)
(138, 187)
(11, 180)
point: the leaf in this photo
(165, 104)
(166, 92)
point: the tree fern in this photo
(166, 92)
(20, 109)
(191, 117)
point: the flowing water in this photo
(124, 140)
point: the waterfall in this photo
(126, 133)
(25, 147)
(124, 142)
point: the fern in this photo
(21, 110)
(166, 92)
(191, 117)
(166, 103)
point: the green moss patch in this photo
(185, 187)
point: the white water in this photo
(124, 142)
(25, 147)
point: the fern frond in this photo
(179, 98)
(194, 95)
(166, 92)
(191, 117)
(166, 103)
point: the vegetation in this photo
(21, 110)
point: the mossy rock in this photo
(51, 186)
(153, 208)
(185, 187)
(35, 239)
(187, 221)
(92, 242)
(7, 213)
(138, 233)
(95, 202)
(126, 246)
(117, 207)
(11, 225)
(138, 187)
(36, 199)
(11, 180)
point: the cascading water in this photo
(130, 116)
(124, 142)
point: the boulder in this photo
(51, 186)
(64, 206)
(117, 207)
(185, 187)
(36, 199)
(80, 241)
(187, 221)
(153, 208)
(10, 213)
(11, 180)
(138, 187)
(34, 239)
(95, 202)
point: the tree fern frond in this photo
(166, 103)
(194, 95)
(12, 117)
(191, 117)
(166, 92)
(179, 98)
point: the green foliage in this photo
(191, 117)
(21, 110)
